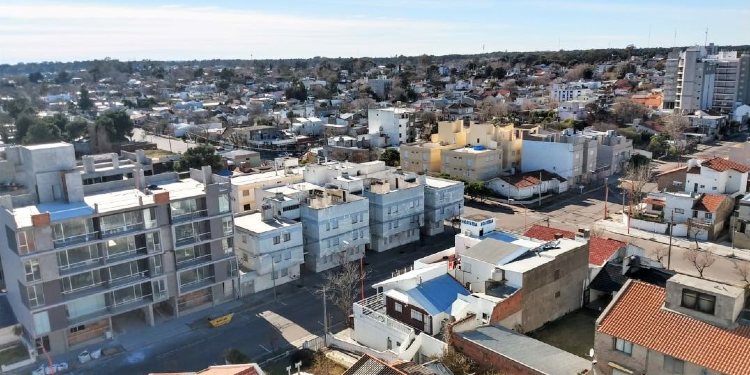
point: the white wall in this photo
(550, 156)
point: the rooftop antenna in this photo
(705, 41)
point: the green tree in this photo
(198, 73)
(84, 101)
(42, 132)
(62, 77)
(76, 129)
(198, 156)
(391, 157)
(117, 125)
(297, 91)
(35, 77)
(23, 124)
(226, 74)
(18, 107)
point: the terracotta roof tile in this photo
(601, 249)
(637, 316)
(721, 165)
(710, 202)
(547, 233)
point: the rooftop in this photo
(637, 316)
(547, 233)
(710, 202)
(494, 252)
(368, 365)
(439, 182)
(254, 223)
(721, 164)
(264, 176)
(529, 352)
(601, 249)
(436, 295)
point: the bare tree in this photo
(490, 108)
(743, 271)
(700, 259)
(342, 284)
(634, 181)
(675, 125)
(626, 110)
(660, 254)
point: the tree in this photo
(742, 268)
(457, 362)
(323, 366)
(477, 190)
(342, 285)
(41, 132)
(198, 73)
(661, 253)
(198, 156)
(234, 356)
(297, 91)
(62, 77)
(116, 124)
(700, 259)
(635, 179)
(18, 107)
(675, 125)
(35, 77)
(226, 74)
(23, 124)
(391, 157)
(626, 110)
(76, 129)
(84, 101)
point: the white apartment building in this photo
(269, 248)
(336, 228)
(569, 154)
(396, 211)
(443, 200)
(716, 176)
(700, 78)
(392, 126)
(573, 90)
(244, 187)
(613, 151)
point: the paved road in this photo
(260, 326)
(162, 143)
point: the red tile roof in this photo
(601, 249)
(547, 233)
(530, 178)
(721, 165)
(710, 202)
(637, 316)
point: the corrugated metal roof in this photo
(437, 295)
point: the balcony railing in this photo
(197, 284)
(72, 240)
(193, 239)
(114, 308)
(114, 257)
(129, 279)
(373, 308)
(123, 229)
(188, 262)
(189, 216)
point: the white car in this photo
(45, 369)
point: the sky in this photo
(32, 31)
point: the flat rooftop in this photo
(472, 150)
(264, 176)
(534, 259)
(254, 223)
(529, 352)
(440, 182)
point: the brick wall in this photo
(490, 360)
(508, 307)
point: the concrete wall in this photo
(490, 360)
(557, 158)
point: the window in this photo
(25, 241)
(623, 346)
(288, 255)
(334, 223)
(276, 240)
(33, 273)
(246, 207)
(227, 225)
(354, 218)
(285, 272)
(557, 274)
(246, 193)
(557, 294)
(35, 295)
(416, 315)
(673, 365)
(276, 258)
(697, 301)
(287, 237)
(244, 238)
(224, 203)
(397, 306)
(679, 211)
(708, 215)
(227, 244)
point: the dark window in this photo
(557, 294)
(698, 301)
(11, 235)
(557, 274)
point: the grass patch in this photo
(158, 153)
(573, 333)
(13, 354)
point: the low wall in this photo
(648, 226)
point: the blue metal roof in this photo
(437, 295)
(500, 236)
(59, 211)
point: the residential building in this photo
(396, 211)
(381, 86)
(710, 127)
(529, 185)
(613, 151)
(393, 126)
(475, 163)
(79, 257)
(693, 215)
(572, 110)
(716, 176)
(647, 328)
(562, 92)
(699, 78)
(740, 230)
(443, 200)
(505, 351)
(569, 154)
(243, 369)
(336, 228)
(269, 248)
(244, 186)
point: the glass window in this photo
(673, 365)
(624, 346)
(25, 241)
(77, 256)
(287, 237)
(153, 242)
(120, 246)
(33, 272)
(227, 244)
(416, 315)
(397, 306)
(35, 295)
(276, 240)
(277, 258)
(120, 222)
(226, 223)
(223, 202)
(80, 281)
(288, 255)
(697, 301)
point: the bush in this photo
(234, 356)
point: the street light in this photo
(511, 201)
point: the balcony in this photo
(126, 255)
(95, 263)
(112, 309)
(195, 261)
(373, 308)
(122, 230)
(184, 241)
(77, 239)
(189, 216)
(197, 284)
(134, 278)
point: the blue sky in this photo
(33, 30)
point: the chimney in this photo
(88, 163)
(115, 161)
(140, 178)
(266, 212)
(558, 236)
(396, 183)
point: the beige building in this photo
(467, 150)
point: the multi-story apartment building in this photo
(573, 90)
(393, 126)
(396, 211)
(475, 163)
(79, 257)
(243, 187)
(700, 78)
(613, 151)
(336, 227)
(693, 326)
(443, 200)
(269, 248)
(569, 154)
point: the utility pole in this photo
(540, 188)
(669, 251)
(606, 196)
(273, 277)
(325, 317)
(362, 274)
